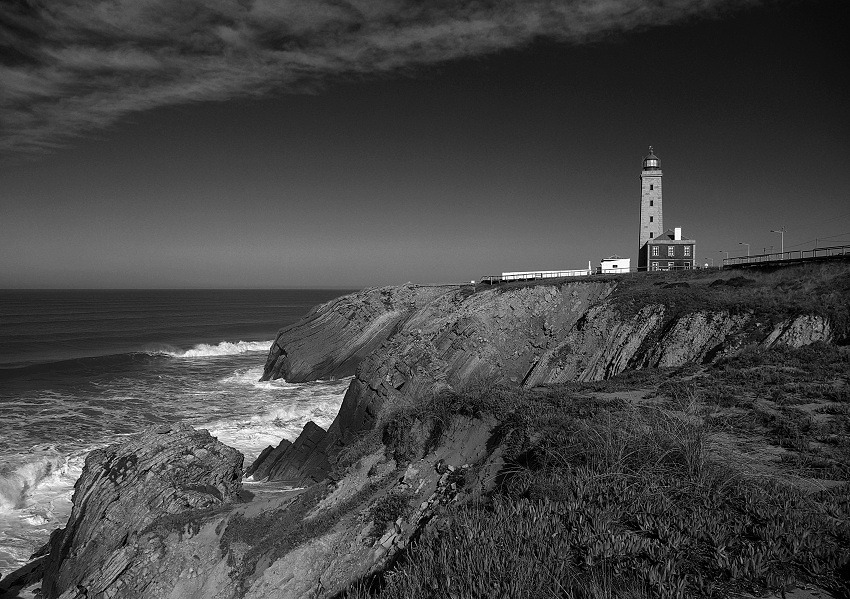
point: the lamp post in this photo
(748, 247)
(781, 232)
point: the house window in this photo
(655, 266)
(671, 264)
(650, 188)
(687, 251)
(670, 250)
(655, 250)
(650, 219)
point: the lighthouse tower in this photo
(651, 222)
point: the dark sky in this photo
(275, 144)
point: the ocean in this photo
(83, 369)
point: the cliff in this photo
(332, 338)
(462, 394)
(580, 330)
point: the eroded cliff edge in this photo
(412, 342)
(332, 339)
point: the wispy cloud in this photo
(72, 66)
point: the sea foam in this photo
(18, 484)
(225, 348)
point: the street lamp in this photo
(748, 247)
(781, 232)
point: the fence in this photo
(793, 255)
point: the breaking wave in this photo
(225, 348)
(18, 484)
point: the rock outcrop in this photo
(125, 489)
(802, 330)
(334, 337)
(577, 331)
(294, 463)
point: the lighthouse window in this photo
(650, 219)
(651, 203)
(650, 235)
(650, 187)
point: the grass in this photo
(601, 498)
(771, 294)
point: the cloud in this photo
(71, 67)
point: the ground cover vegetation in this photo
(772, 293)
(715, 481)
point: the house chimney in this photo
(677, 233)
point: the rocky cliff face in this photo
(545, 334)
(291, 462)
(124, 491)
(334, 337)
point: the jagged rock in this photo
(540, 335)
(27, 575)
(802, 330)
(123, 490)
(299, 462)
(696, 337)
(458, 340)
(284, 443)
(601, 347)
(334, 337)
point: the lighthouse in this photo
(651, 217)
(659, 249)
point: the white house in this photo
(614, 265)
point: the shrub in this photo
(388, 509)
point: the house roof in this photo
(668, 236)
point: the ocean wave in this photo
(279, 419)
(225, 348)
(16, 485)
(250, 377)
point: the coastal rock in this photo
(546, 334)
(802, 330)
(332, 339)
(458, 341)
(296, 463)
(696, 337)
(24, 576)
(600, 346)
(123, 491)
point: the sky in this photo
(352, 143)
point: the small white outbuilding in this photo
(614, 265)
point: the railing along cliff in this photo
(790, 256)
